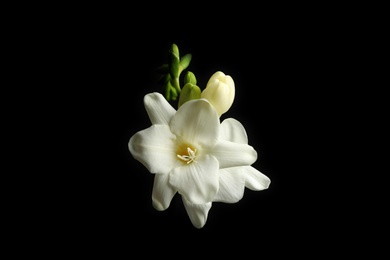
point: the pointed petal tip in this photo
(260, 186)
(199, 224)
(266, 182)
(158, 206)
(198, 221)
(256, 180)
(197, 213)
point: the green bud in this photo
(189, 78)
(171, 91)
(167, 92)
(174, 61)
(174, 94)
(175, 49)
(168, 89)
(190, 91)
(185, 61)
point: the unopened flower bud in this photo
(185, 61)
(189, 78)
(174, 61)
(190, 91)
(220, 92)
(170, 91)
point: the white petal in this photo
(197, 212)
(231, 185)
(231, 154)
(158, 108)
(154, 147)
(197, 181)
(197, 122)
(162, 193)
(255, 180)
(232, 130)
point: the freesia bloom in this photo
(193, 154)
(220, 92)
(233, 180)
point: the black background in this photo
(289, 70)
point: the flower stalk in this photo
(171, 72)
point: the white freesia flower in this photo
(233, 131)
(220, 92)
(233, 180)
(193, 154)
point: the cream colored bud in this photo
(220, 92)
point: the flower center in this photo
(186, 153)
